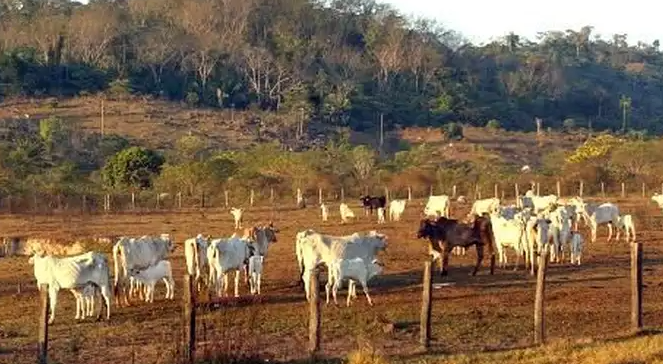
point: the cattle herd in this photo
(533, 225)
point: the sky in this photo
(481, 20)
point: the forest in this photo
(341, 63)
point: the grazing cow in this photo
(238, 215)
(324, 211)
(437, 206)
(346, 213)
(355, 269)
(226, 255)
(255, 272)
(593, 215)
(576, 247)
(396, 209)
(137, 254)
(485, 206)
(372, 203)
(84, 300)
(626, 223)
(149, 277)
(381, 219)
(73, 272)
(195, 253)
(445, 234)
(313, 249)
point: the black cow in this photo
(371, 203)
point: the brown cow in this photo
(445, 234)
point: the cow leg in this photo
(368, 297)
(237, 276)
(445, 259)
(479, 259)
(610, 231)
(105, 294)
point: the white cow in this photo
(137, 254)
(226, 255)
(541, 203)
(396, 209)
(255, 273)
(313, 248)
(381, 219)
(195, 253)
(74, 272)
(346, 213)
(238, 216)
(606, 213)
(324, 211)
(658, 198)
(559, 233)
(485, 206)
(149, 277)
(537, 237)
(508, 234)
(354, 269)
(576, 247)
(437, 206)
(626, 223)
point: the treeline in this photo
(338, 63)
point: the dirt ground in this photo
(482, 313)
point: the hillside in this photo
(158, 124)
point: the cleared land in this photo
(475, 314)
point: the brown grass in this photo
(476, 314)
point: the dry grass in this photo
(475, 314)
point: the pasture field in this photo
(472, 314)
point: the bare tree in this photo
(388, 47)
(158, 48)
(92, 30)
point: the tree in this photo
(132, 167)
(92, 31)
(363, 162)
(625, 105)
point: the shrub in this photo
(192, 98)
(453, 131)
(120, 88)
(493, 124)
(134, 166)
(569, 124)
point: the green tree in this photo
(134, 166)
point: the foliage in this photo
(594, 148)
(493, 124)
(453, 131)
(134, 166)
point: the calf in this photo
(372, 203)
(346, 213)
(324, 211)
(151, 275)
(84, 300)
(255, 272)
(354, 269)
(445, 234)
(625, 222)
(396, 209)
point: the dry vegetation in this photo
(474, 314)
(158, 124)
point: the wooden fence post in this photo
(386, 194)
(179, 200)
(495, 188)
(643, 190)
(314, 315)
(538, 189)
(271, 195)
(225, 196)
(84, 203)
(559, 188)
(320, 196)
(202, 199)
(431, 191)
(477, 194)
(189, 319)
(454, 191)
(426, 307)
(515, 185)
(623, 190)
(133, 201)
(603, 189)
(636, 286)
(539, 300)
(43, 325)
(582, 188)
(158, 199)
(342, 194)
(409, 193)
(251, 198)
